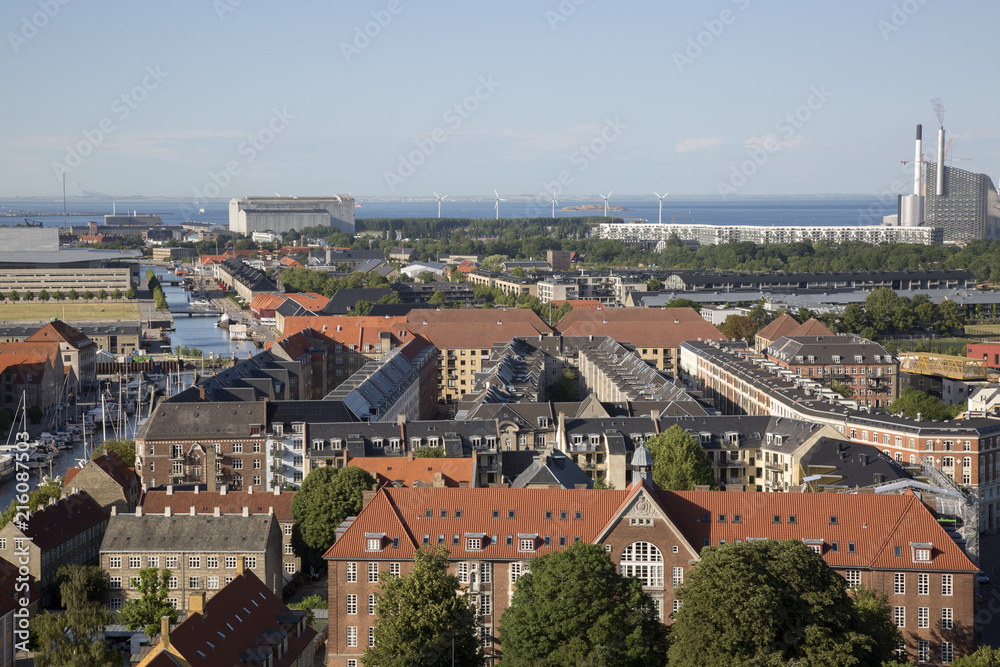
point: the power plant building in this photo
(968, 208)
(284, 214)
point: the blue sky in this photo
(240, 97)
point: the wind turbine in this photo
(660, 197)
(554, 202)
(440, 199)
(606, 202)
(497, 205)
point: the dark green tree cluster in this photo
(886, 313)
(913, 402)
(421, 620)
(74, 638)
(679, 461)
(144, 612)
(574, 608)
(777, 603)
(37, 498)
(328, 496)
(300, 279)
(985, 656)
(123, 447)
(93, 580)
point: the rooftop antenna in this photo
(497, 204)
(554, 202)
(440, 199)
(660, 197)
(606, 202)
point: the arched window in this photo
(643, 561)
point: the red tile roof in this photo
(473, 327)
(236, 621)
(875, 523)
(59, 331)
(311, 301)
(346, 329)
(54, 524)
(70, 474)
(811, 327)
(390, 469)
(578, 303)
(642, 327)
(266, 302)
(232, 502)
(115, 467)
(783, 325)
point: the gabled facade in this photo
(889, 542)
(108, 480)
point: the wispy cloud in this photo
(699, 144)
(772, 142)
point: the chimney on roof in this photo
(401, 418)
(250, 489)
(196, 603)
(366, 496)
(201, 392)
(217, 511)
(222, 489)
(196, 487)
(52, 501)
(164, 632)
(438, 482)
(138, 510)
(210, 469)
(191, 510)
(114, 510)
(170, 489)
(277, 490)
(246, 511)
(239, 566)
(166, 511)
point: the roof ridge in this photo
(891, 533)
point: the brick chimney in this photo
(210, 469)
(165, 632)
(201, 392)
(438, 482)
(366, 496)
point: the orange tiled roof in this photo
(346, 329)
(578, 303)
(642, 327)
(232, 502)
(311, 301)
(784, 325)
(811, 327)
(389, 469)
(59, 331)
(268, 301)
(875, 523)
(475, 328)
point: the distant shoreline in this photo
(592, 207)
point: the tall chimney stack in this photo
(939, 191)
(916, 164)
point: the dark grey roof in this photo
(203, 420)
(642, 457)
(127, 533)
(552, 468)
(344, 301)
(857, 465)
(248, 276)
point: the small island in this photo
(592, 207)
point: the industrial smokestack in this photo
(939, 190)
(916, 164)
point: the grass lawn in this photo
(974, 329)
(68, 310)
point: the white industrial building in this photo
(283, 214)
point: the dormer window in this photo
(815, 544)
(543, 422)
(337, 444)
(373, 541)
(921, 551)
(526, 541)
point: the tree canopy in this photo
(144, 612)
(421, 620)
(574, 608)
(123, 447)
(74, 638)
(913, 402)
(328, 496)
(985, 656)
(679, 461)
(776, 603)
(93, 580)
(738, 327)
(37, 498)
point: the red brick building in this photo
(988, 352)
(891, 542)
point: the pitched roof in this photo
(642, 327)
(346, 299)
(552, 469)
(346, 329)
(266, 301)
(199, 532)
(475, 328)
(243, 623)
(68, 517)
(310, 301)
(203, 420)
(59, 331)
(874, 523)
(115, 467)
(782, 325)
(811, 327)
(155, 501)
(408, 471)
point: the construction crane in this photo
(28, 222)
(946, 158)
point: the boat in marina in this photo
(201, 303)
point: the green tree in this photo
(437, 299)
(102, 294)
(94, 582)
(43, 295)
(88, 295)
(123, 447)
(37, 498)
(328, 496)
(563, 389)
(117, 294)
(653, 285)
(738, 327)
(913, 402)
(308, 603)
(493, 262)
(875, 619)
(362, 308)
(574, 608)
(430, 453)
(950, 317)
(29, 296)
(131, 294)
(421, 620)
(773, 603)
(854, 319)
(426, 277)
(59, 295)
(13, 296)
(679, 461)
(985, 656)
(841, 388)
(73, 295)
(144, 612)
(880, 304)
(74, 638)
(680, 302)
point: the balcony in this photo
(731, 463)
(777, 467)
